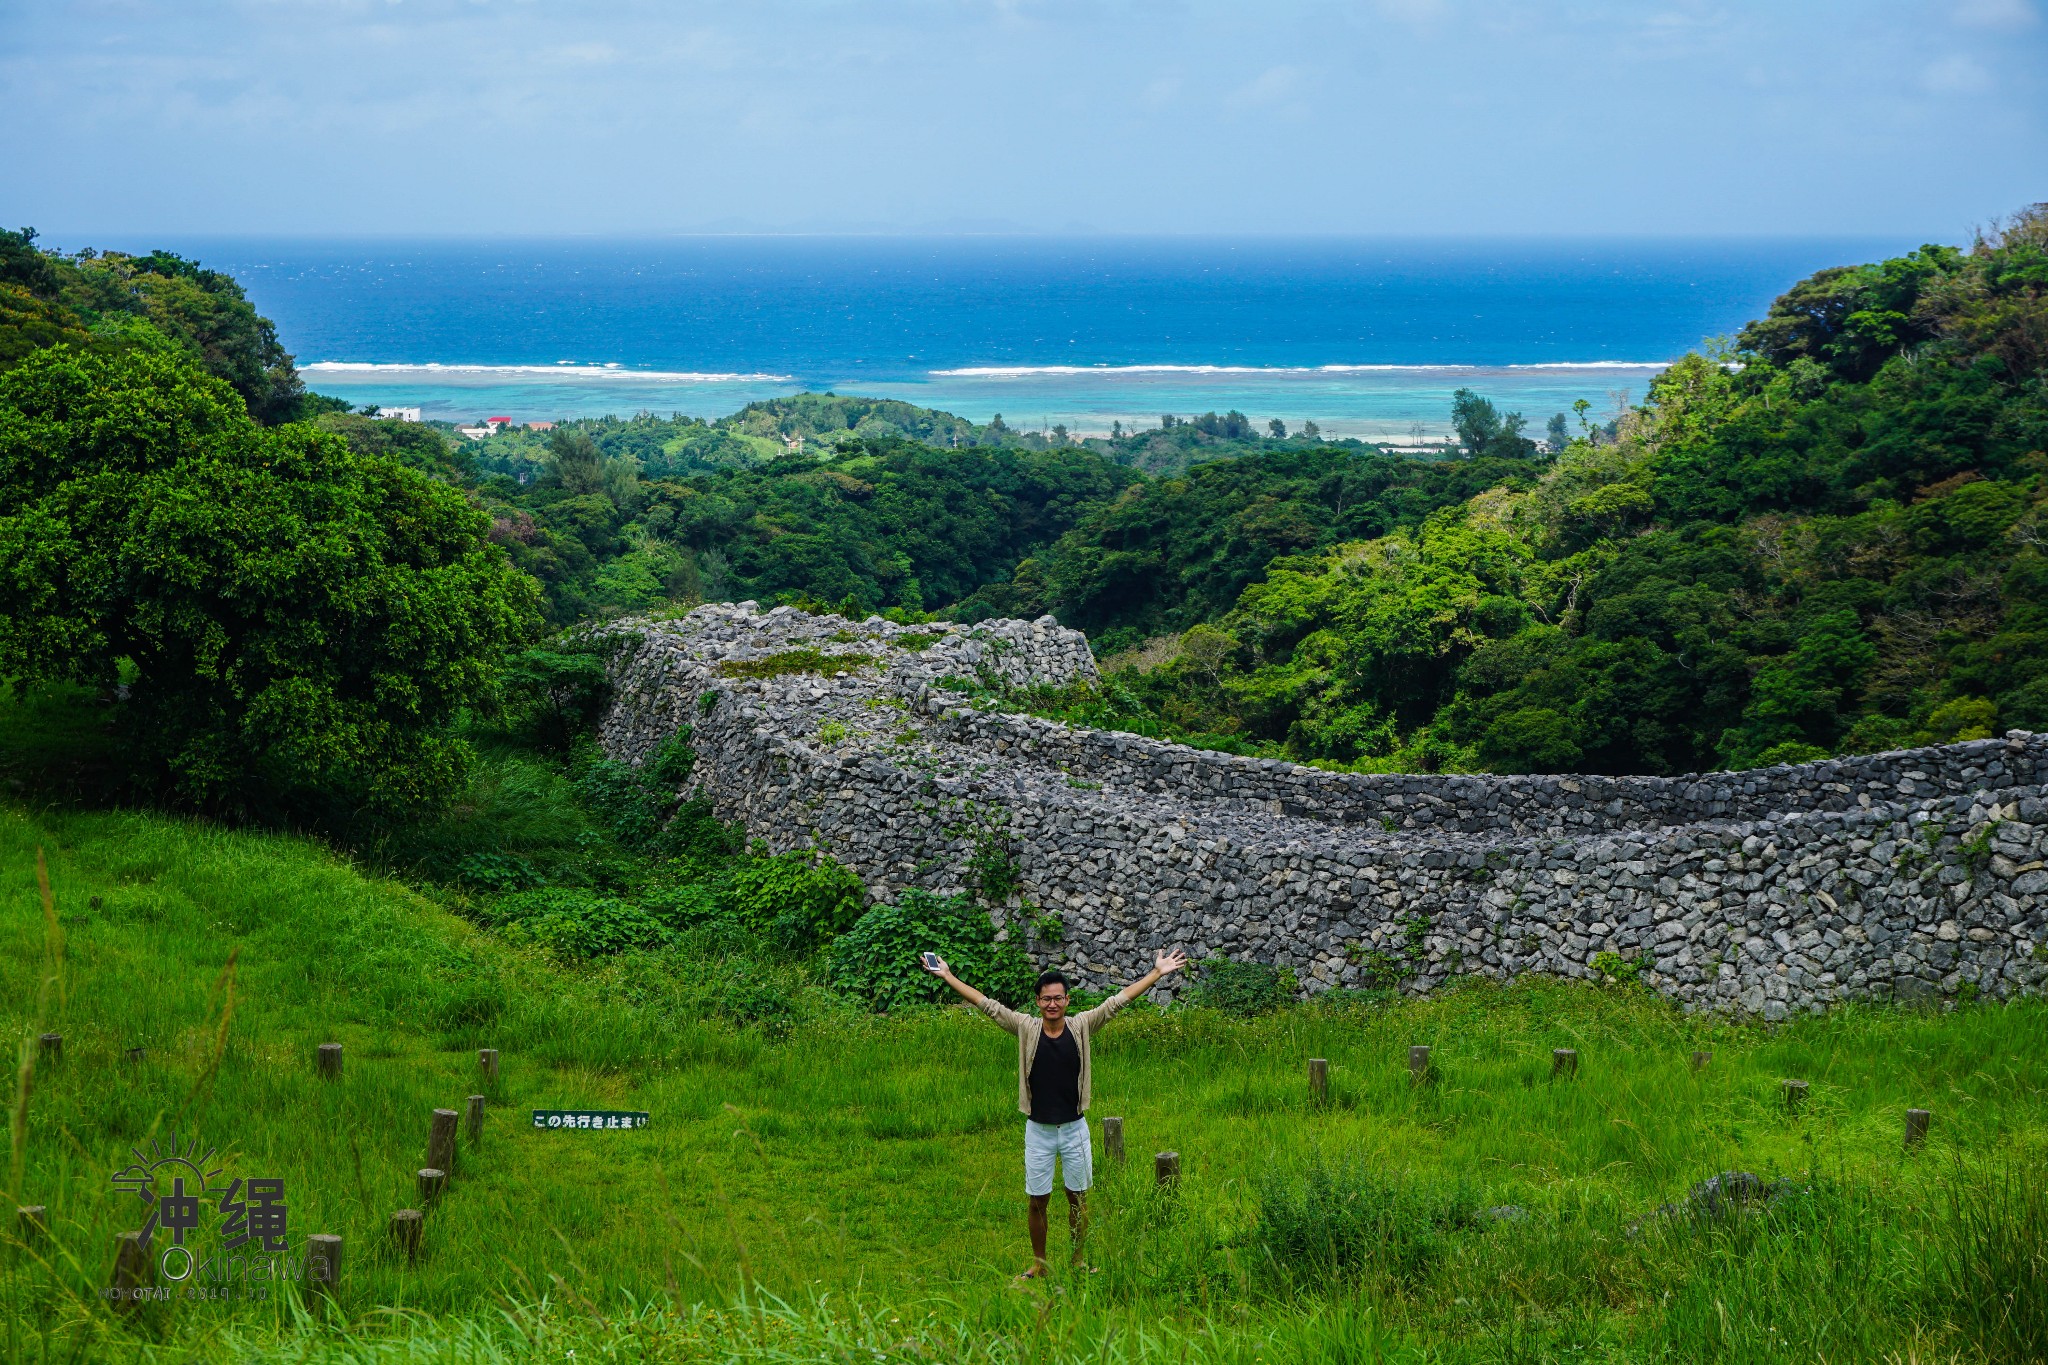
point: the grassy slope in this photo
(880, 1156)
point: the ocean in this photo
(1363, 337)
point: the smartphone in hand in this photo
(931, 961)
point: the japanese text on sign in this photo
(589, 1118)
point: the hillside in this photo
(283, 725)
(860, 1170)
(1823, 540)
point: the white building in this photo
(399, 414)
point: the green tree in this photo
(1484, 430)
(202, 312)
(296, 623)
(575, 462)
(25, 267)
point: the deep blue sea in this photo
(1362, 336)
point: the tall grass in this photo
(1991, 1248)
(850, 1192)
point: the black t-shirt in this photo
(1056, 1079)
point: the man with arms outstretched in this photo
(1052, 1088)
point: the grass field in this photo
(851, 1192)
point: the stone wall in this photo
(1894, 875)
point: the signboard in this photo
(553, 1119)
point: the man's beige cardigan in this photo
(1030, 1030)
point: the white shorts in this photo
(1066, 1141)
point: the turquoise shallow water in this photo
(1374, 404)
(1364, 337)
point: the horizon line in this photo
(939, 234)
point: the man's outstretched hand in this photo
(937, 967)
(1164, 962)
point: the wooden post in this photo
(131, 1269)
(1564, 1061)
(1113, 1139)
(1166, 1169)
(330, 1061)
(405, 1230)
(1701, 1060)
(476, 1119)
(323, 1263)
(487, 1062)
(1916, 1127)
(1318, 1080)
(1795, 1095)
(136, 1056)
(432, 1183)
(1418, 1065)
(441, 1140)
(53, 1048)
(32, 1223)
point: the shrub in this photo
(1792, 751)
(1316, 1225)
(1242, 989)
(747, 995)
(1626, 970)
(876, 961)
(557, 691)
(497, 872)
(633, 804)
(992, 874)
(795, 905)
(687, 905)
(696, 834)
(580, 924)
(641, 809)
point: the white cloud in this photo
(1411, 11)
(1139, 94)
(1159, 92)
(1957, 75)
(1268, 88)
(1995, 13)
(588, 54)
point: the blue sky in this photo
(1920, 117)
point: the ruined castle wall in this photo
(1895, 875)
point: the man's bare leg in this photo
(1077, 1222)
(1036, 1220)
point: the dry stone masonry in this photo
(1904, 875)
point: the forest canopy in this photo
(101, 300)
(1823, 537)
(1827, 540)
